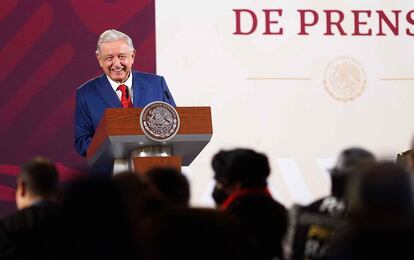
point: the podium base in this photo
(120, 165)
(143, 164)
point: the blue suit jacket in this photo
(93, 97)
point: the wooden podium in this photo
(120, 141)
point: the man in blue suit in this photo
(118, 87)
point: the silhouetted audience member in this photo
(141, 200)
(172, 185)
(312, 227)
(241, 189)
(405, 159)
(96, 221)
(33, 231)
(381, 216)
(190, 233)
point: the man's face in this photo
(116, 59)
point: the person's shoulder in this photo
(314, 205)
(29, 217)
(258, 203)
(298, 209)
(91, 83)
(17, 220)
(145, 75)
(329, 206)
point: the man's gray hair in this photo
(113, 35)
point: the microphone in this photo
(127, 92)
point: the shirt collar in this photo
(115, 84)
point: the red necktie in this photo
(126, 97)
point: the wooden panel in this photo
(143, 164)
(100, 135)
(195, 120)
(124, 121)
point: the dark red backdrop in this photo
(47, 49)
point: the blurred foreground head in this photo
(138, 196)
(38, 180)
(98, 215)
(350, 161)
(382, 195)
(194, 233)
(405, 159)
(244, 166)
(172, 185)
(238, 169)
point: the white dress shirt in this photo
(127, 83)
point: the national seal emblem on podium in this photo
(159, 121)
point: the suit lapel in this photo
(107, 93)
(138, 86)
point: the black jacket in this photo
(313, 227)
(264, 219)
(31, 233)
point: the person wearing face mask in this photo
(118, 87)
(241, 189)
